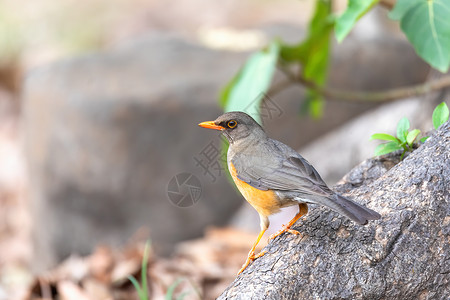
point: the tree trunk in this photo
(405, 255)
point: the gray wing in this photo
(285, 170)
(282, 169)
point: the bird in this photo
(271, 175)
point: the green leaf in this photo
(290, 53)
(247, 88)
(140, 292)
(355, 10)
(171, 289)
(144, 287)
(401, 8)
(427, 26)
(384, 137)
(313, 105)
(402, 129)
(315, 49)
(313, 54)
(387, 148)
(440, 115)
(424, 139)
(412, 135)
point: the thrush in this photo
(271, 175)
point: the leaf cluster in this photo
(425, 23)
(406, 139)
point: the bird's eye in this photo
(231, 124)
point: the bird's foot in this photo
(251, 257)
(286, 228)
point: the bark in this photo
(405, 255)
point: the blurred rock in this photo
(107, 132)
(105, 135)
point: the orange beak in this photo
(210, 125)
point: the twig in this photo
(276, 88)
(352, 96)
(389, 4)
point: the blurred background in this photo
(99, 144)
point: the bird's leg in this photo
(302, 210)
(251, 255)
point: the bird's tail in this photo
(351, 210)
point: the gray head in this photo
(236, 126)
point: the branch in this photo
(352, 96)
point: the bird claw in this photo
(283, 230)
(251, 257)
(259, 254)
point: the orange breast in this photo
(265, 202)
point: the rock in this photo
(105, 135)
(402, 256)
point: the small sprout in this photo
(142, 290)
(387, 148)
(405, 139)
(422, 140)
(384, 137)
(171, 290)
(170, 294)
(440, 115)
(402, 129)
(411, 137)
